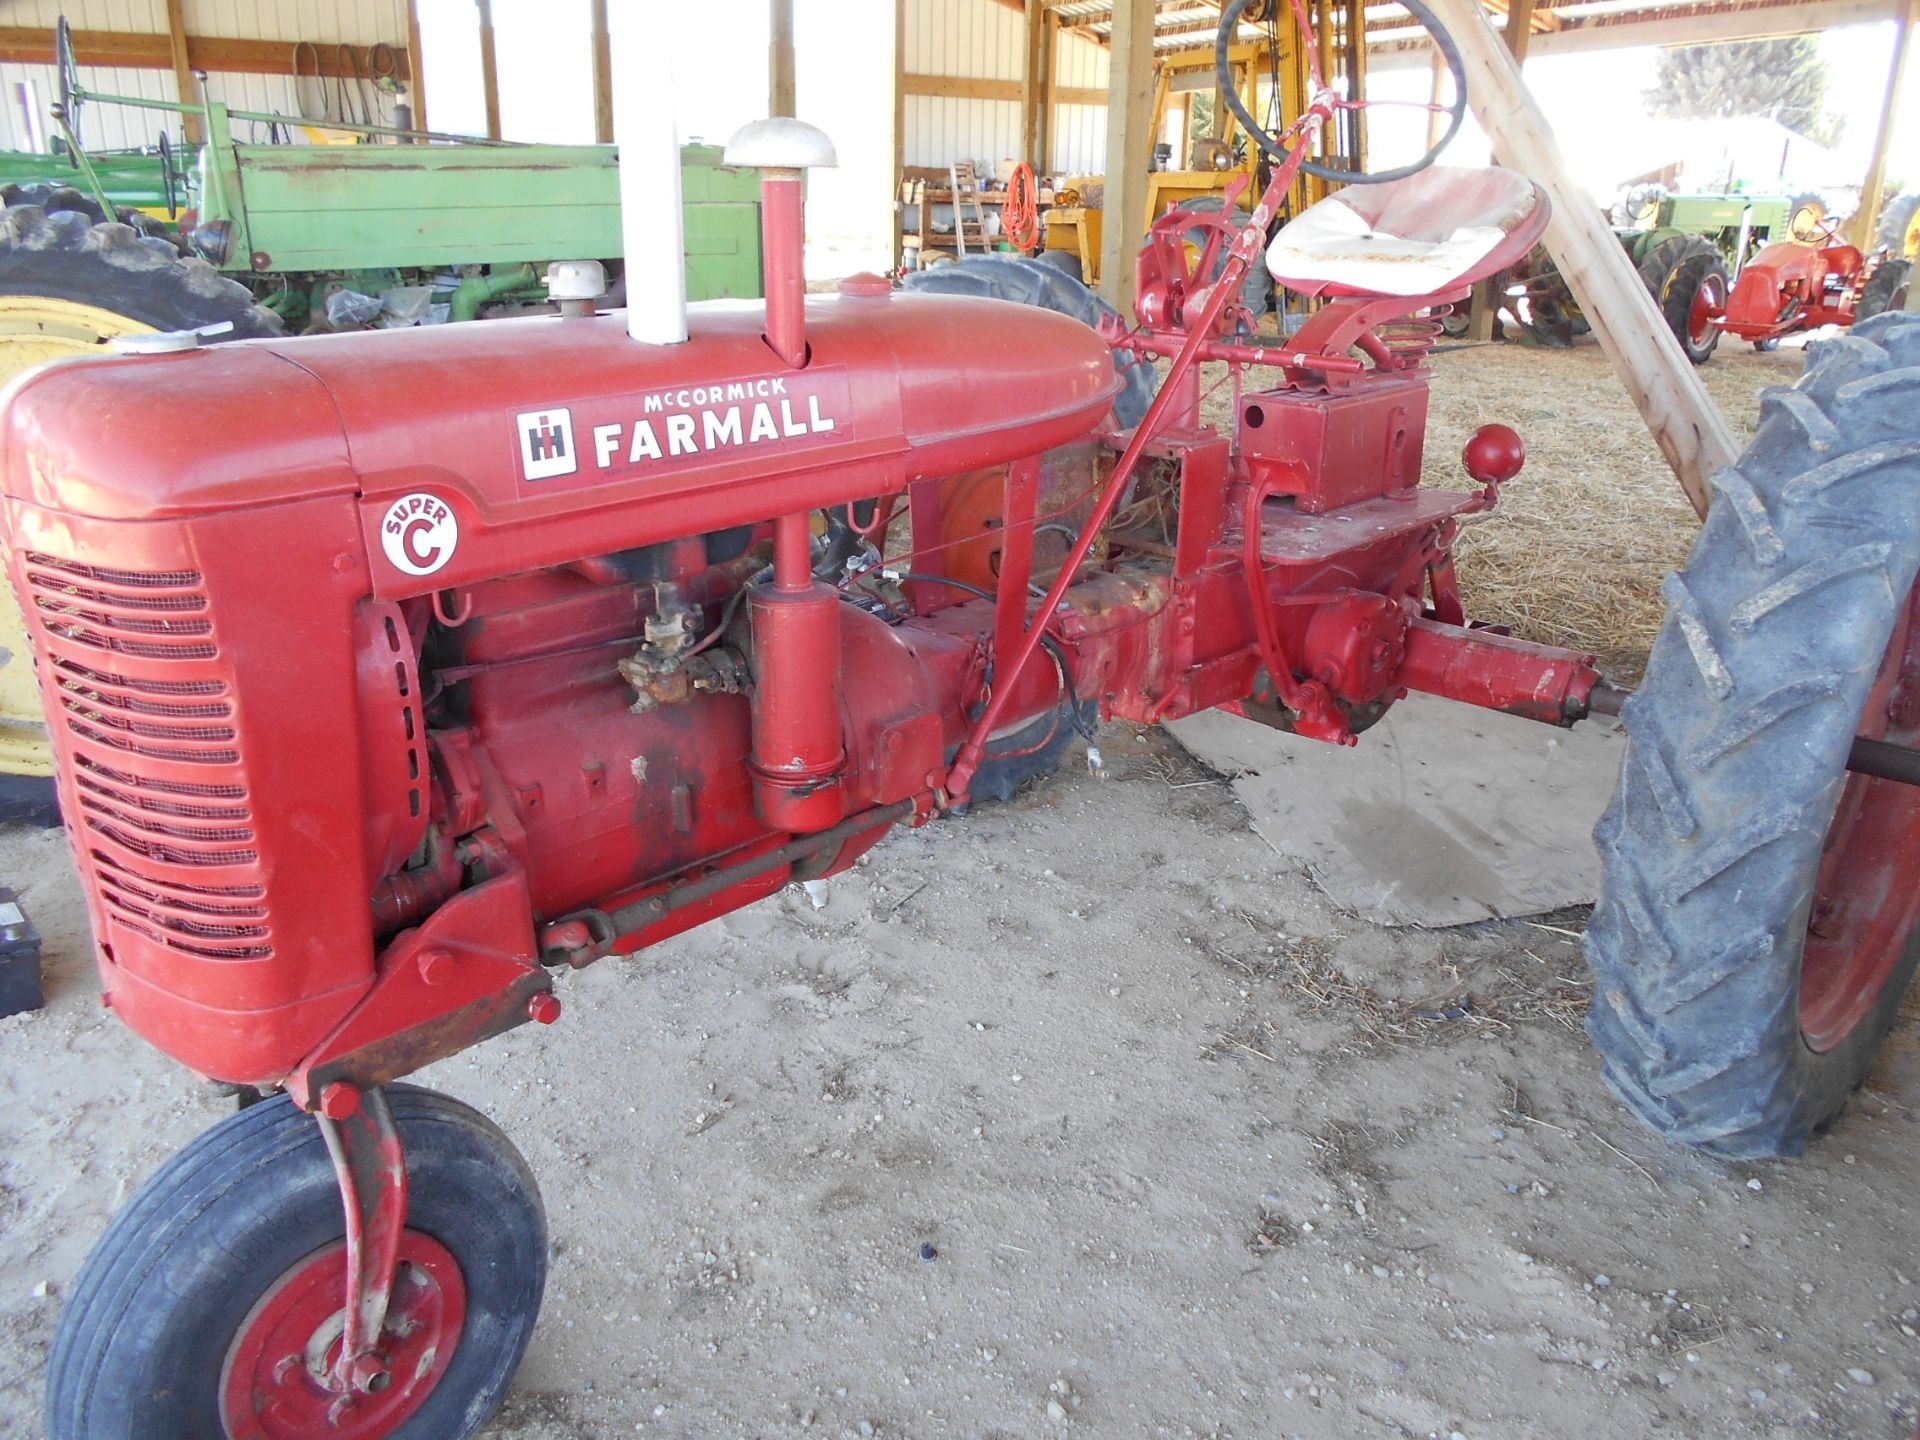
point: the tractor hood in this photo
(545, 440)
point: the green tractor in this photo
(1687, 248)
(239, 240)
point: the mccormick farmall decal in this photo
(681, 426)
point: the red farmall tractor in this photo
(1795, 285)
(395, 675)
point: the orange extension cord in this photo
(1020, 211)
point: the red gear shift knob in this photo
(1494, 454)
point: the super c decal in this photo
(419, 533)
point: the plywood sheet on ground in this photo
(1443, 814)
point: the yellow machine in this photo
(1212, 162)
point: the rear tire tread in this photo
(1695, 944)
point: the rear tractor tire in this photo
(69, 284)
(1806, 218)
(1065, 261)
(1046, 286)
(1759, 917)
(1886, 289)
(1687, 278)
(1256, 291)
(211, 1306)
(1897, 218)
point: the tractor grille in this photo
(156, 780)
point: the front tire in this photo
(1757, 926)
(183, 1320)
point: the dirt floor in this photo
(1083, 1115)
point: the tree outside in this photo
(1783, 80)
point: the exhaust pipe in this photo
(652, 225)
(782, 149)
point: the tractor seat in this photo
(1432, 233)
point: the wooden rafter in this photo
(1674, 16)
(130, 50)
(1539, 19)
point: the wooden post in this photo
(489, 69)
(1687, 426)
(416, 67)
(1129, 110)
(780, 60)
(602, 75)
(1035, 83)
(183, 69)
(1486, 306)
(899, 126)
(1867, 217)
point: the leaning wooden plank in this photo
(1686, 424)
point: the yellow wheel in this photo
(33, 330)
(37, 328)
(68, 286)
(1809, 219)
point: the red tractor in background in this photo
(1796, 285)
(392, 676)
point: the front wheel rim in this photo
(275, 1384)
(1866, 895)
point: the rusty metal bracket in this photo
(372, 1170)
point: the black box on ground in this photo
(19, 958)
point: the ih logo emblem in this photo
(546, 443)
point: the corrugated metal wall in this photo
(1079, 139)
(981, 40)
(103, 127)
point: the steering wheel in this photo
(1223, 74)
(72, 97)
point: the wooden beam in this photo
(1685, 423)
(1129, 112)
(1537, 20)
(1519, 29)
(899, 125)
(1765, 20)
(780, 90)
(417, 85)
(1518, 32)
(971, 87)
(130, 50)
(183, 82)
(1866, 218)
(1035, 82)
(489, 69)
(602, 74)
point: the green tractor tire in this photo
(1687, 277)
(69, 284)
